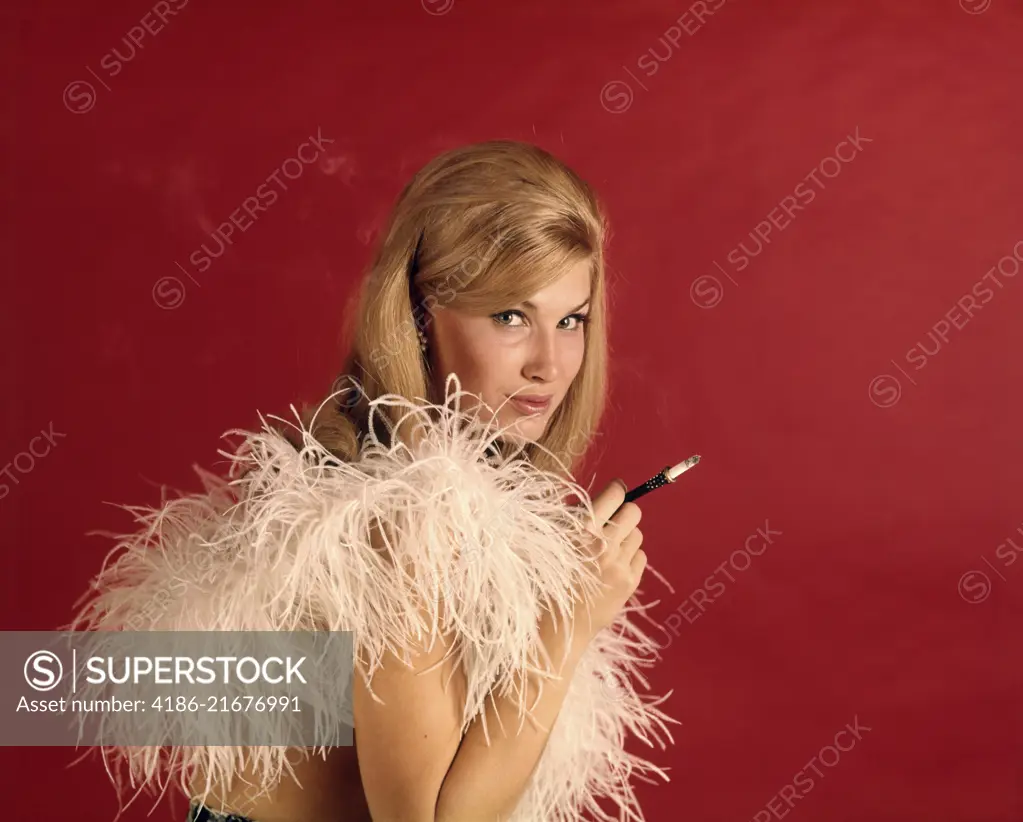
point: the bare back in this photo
(328, 789)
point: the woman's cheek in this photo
(575, 357)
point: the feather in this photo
(406, 541)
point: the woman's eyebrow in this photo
(583, 304)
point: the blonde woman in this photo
(428, 506)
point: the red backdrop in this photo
(815, 209)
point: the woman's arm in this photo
(486, 781)
(415, 770)
(405, 746)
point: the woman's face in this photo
(536, 346)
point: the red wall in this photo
(892, 475)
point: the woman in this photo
(479, 343)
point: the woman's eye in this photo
(580, 321)
(500, 319)
(505, 318)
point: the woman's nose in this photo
(542, 363)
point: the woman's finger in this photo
(638, 562)
(608, 501)
(630, 545)
(624, 520)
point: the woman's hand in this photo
(618, 558)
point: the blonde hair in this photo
(478, 228)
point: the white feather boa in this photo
(283, 543)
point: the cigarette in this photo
(669, 474)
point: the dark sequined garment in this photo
(200, 813)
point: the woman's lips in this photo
(527, 406)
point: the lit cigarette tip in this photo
(682, 467)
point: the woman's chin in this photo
(522, 429)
